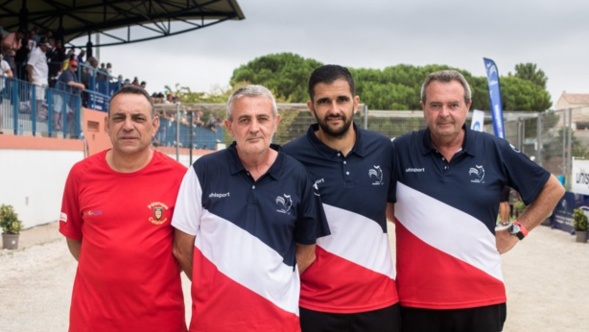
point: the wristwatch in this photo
(518, 230)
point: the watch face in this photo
(514, 229)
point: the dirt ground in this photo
(547, 278)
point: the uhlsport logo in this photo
(376, 172)
(284, 203)
(477, 174)
(157, 210)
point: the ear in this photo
(228, 126)
(106, 125)
(356, 103)
(156, 125)
(277, 120)
(311, 108)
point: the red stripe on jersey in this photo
(221, 304)
(348, 287)
(429, 278)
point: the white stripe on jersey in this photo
(357, 239)
(448, 229)
(248, 261)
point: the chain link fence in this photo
(552, 139)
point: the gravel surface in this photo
(547, 277)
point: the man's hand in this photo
(504, 240)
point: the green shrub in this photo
(9, 221)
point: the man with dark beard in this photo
(351, 286)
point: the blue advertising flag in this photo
(495, 97)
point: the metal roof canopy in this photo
(117, 22)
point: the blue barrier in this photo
(202, 138)
(27, 108)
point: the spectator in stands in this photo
(3, 32)
(135, 82)
(38, 71)
(20, 59)
(80, 57)
(71, 54)
(35, 36)
(5, 72)
(143, 84)
(109, 68)
(213, 122)
(89, 79)
(197, 120)
(68, 86)
(102, 78)
(56, 58)
(10, 44)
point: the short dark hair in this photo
(329, 74)
(132, 90)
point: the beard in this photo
(335, 132)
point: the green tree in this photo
(531, 72)
(285, 74)
(522, 95)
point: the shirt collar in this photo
(468, 145)
(236, 166)
(358, 149)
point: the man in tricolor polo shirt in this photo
(449, 186)
(246, 221)
(351, 286)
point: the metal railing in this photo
(28, 109)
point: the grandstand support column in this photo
(89, 46)
(24, 17)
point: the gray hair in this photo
(250, 91)
(447, 76)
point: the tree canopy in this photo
(392, 88)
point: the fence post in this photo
(569, 166)
(540, 144)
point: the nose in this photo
(128, 123)
(445, 111)
(254, 126)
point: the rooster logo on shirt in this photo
(477, 174)
(376, 172)
(284, 202)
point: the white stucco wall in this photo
(32, 181)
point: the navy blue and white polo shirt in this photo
(446, 213)
(244, 271)
(354, 270)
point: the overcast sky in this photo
(374, 34)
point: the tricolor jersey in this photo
(244, 275)
(354, 270)
(446, 214)
(127, 278)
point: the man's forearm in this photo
(184, 251)
(305, 256)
